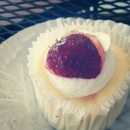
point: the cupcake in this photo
(80, 75)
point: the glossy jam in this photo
(74, 56)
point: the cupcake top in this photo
(79, 63)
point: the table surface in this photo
(15, 15)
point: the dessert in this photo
(91, 112)
(79, 73)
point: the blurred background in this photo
(16, 15)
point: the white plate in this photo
(18, 105)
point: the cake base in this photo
(92, 102)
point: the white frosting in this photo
(78, 87)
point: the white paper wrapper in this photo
(18, 106)
(64, 116)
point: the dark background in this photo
(16, 15)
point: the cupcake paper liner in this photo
(64, 116)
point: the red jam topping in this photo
(76, 56)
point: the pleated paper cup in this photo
(63, 115)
